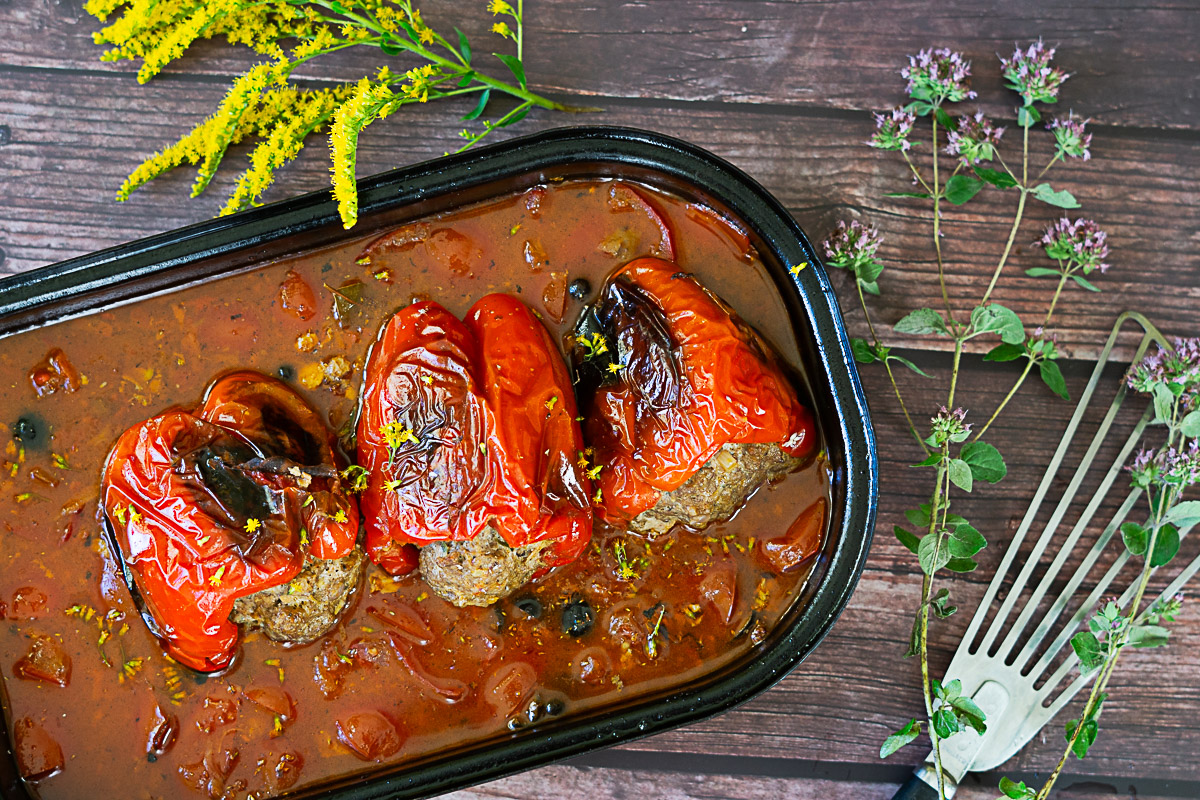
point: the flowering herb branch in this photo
(1171, 377)
(936, 80)
(265, 104)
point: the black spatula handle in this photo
(916, 789)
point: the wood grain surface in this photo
(782, 90)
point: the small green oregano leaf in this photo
(932, 554)
(996, 177)
(1004, 352)
(964, 541)
(960, 474)
(922, 321)
(1053, 378)
(961, 188)
(1089, 650)
(1060, 199)
(1136, 538)
(985, 461)
(995, 318)
(900, 738)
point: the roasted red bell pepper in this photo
(682, 376)
(216, 505)
(466, 425)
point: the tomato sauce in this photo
(97, 709)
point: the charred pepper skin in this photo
(681, 378)
(209, 507)
(483, 431)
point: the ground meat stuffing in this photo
(480, 571)
(306, 607)
(717, 490)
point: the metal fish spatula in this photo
(1021, 677)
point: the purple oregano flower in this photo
(938, 75)
(892, 130)
(1081, 242)
(852, 244)
(1073, 140)
(1029, 74)
(975, 140)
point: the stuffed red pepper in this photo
(687, 408)
(234, 513)
(471, 446)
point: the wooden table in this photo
(782, 90)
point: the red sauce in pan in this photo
(96, 708)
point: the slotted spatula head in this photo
(1017, 670)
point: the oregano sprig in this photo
(957, 458)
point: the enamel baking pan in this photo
(211, 249)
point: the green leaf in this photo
(1028, 116)
(943, 119)
(961, 188)
(900, 738)
(514, 66)
(922, 321)
(1190, 426)
(464, 47)
(1017, 791)
(1087, 736)
(995, 318)
(870, 287)
(1005, 352)
(940, 603)
(965, 542)
(1085, 283)
(996, 177)
(1148, 636)
(863, 352)
(985, 461)
(946, 722)
(1052, 376)
(907, 538)
(919, 106)
(1089, 650)
(929, 461)
(1043, 272)
(869, 270)
(409, 31)
(930, 556)
(909, 364)
(1136, 538)
(1164, 401)
(960, 474)
(1061, 199)
(1166, 545)
(918, 517)
(390, 48)
(962, 565)
(514, 119)
(474, 113)
(906, 194)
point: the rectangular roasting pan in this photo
(211, 249)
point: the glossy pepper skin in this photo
(481, 418)
(681, 378)
(210, 506)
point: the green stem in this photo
(1007, 397)
(862, 301)
(926, 599)
(518, 92)
(1012, 233)
(958, 348)
(937, 234)
(916, 173)
(1057, 291)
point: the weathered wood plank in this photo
(72, 143)
(843, 55)
(571, 782)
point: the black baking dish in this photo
(199, 252)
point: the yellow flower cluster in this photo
(369, 102)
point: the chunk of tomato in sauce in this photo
(46, 661)
(370, 735)
(38, 755)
